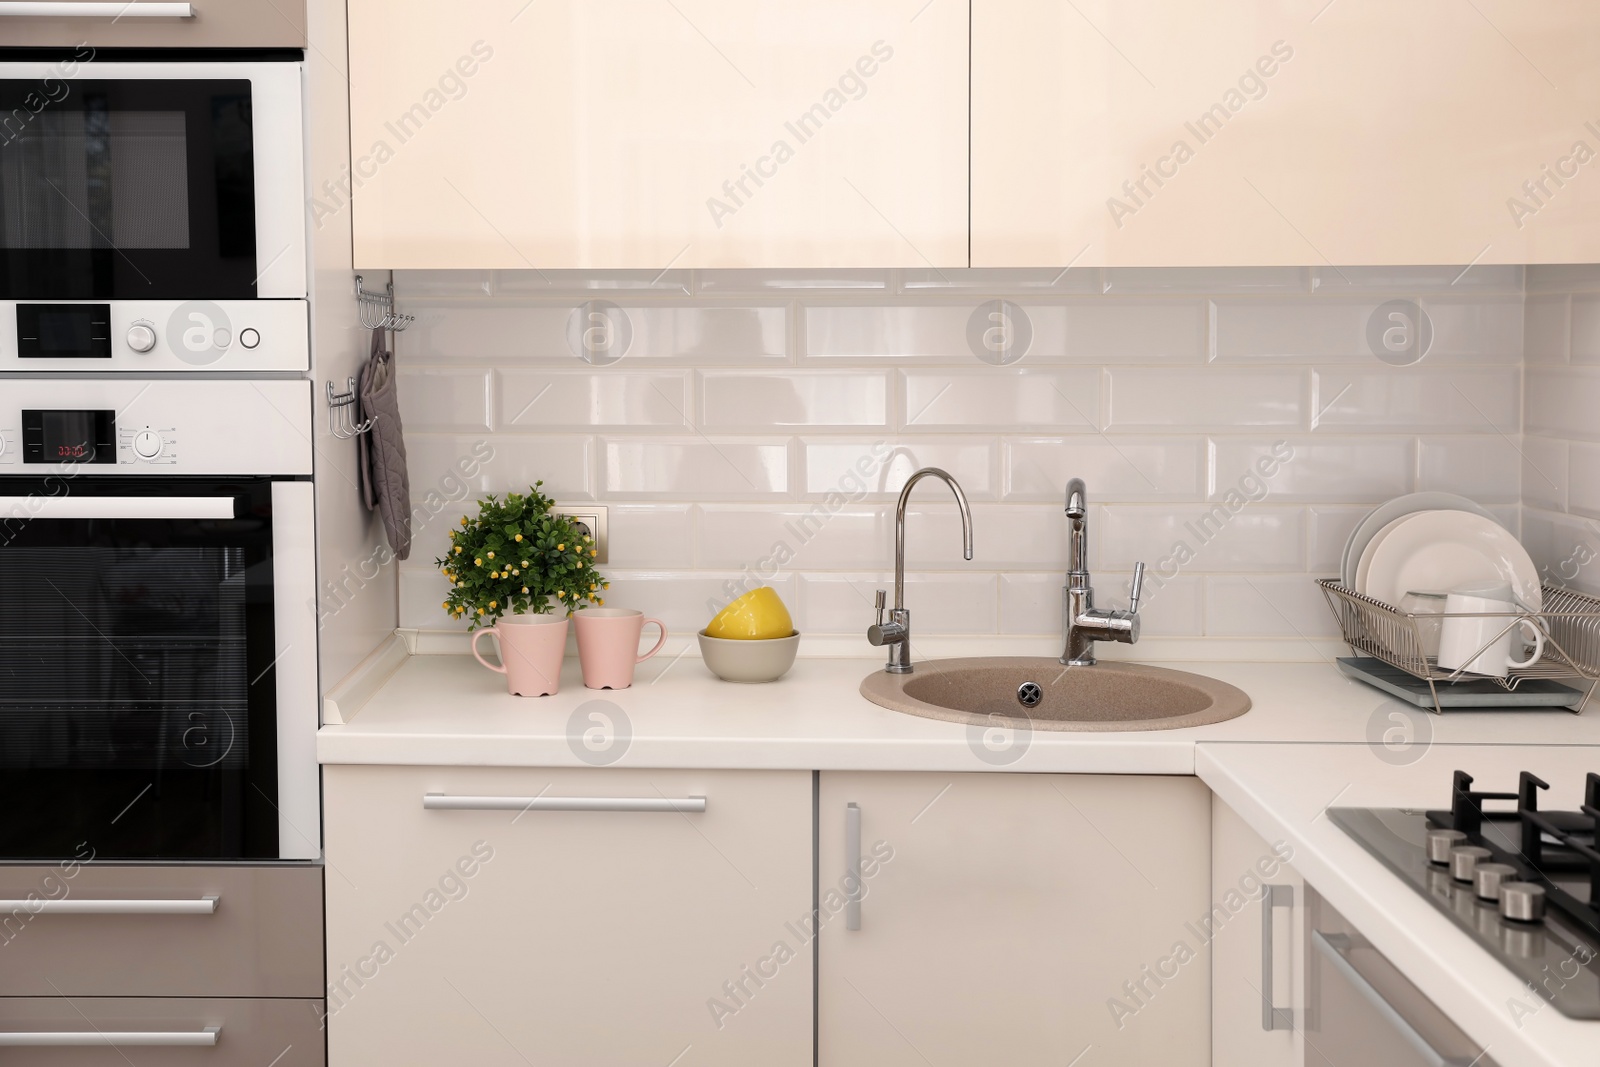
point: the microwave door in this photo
(137, 696)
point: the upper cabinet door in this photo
(1164, 132)
(658, 133)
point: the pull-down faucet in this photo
(1082, 623)
(896, 633)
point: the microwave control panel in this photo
(142, 336)
(160, 426)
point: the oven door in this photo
(146, 645)
(150, 181)
(1362, 1012)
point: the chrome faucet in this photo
(1083, 623)
(896, 633)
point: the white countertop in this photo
(1282, 791)
(446, 709)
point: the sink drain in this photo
(1029, 694)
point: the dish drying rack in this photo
(1570, 621)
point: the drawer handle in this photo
(61, 1038)
(446, 802)
(852, 865)
(56, 10)
(194, 906)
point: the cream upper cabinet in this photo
(484, 927)
(1167, 132)
(656, 133)
(1018, 919)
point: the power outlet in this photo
(592, 519)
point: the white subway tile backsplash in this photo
(1299, 468)
(1487, 469)
(1462, 401)
(879, 468)
(1123, 468)
(604, 399)
(1000, 399)
(734, 400)
(1584, 328)
(940, 603)
(1202, 399)
(1196, 538)
(1583, 486)
(696, 469)
(756, 426)
(444, 399)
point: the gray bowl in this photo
(749, 661)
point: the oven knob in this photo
(1487, 878)
(1465, 859)
(147, 444)
(1440, 843)
(141, 338)
(1522, 902)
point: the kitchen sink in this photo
(1050, 696)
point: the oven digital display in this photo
(69, 436)
(64, 331)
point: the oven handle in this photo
(132, 10)
(117, 507)
(78, 1038)
(191, 906)
(1331, 946)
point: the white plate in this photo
(1441, 550)
(1387, 512)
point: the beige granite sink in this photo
(1107, 696)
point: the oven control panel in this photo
(154, 335)
(162, 426)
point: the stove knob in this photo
(147, 444)
(1522, 902)
(1488, 878)
(1440, 842)
(141, 337)
(1465, 859)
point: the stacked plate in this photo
(1431, 543)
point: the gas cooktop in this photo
(1523, 883)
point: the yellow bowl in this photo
(759, 615)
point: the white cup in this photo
(1483, 645)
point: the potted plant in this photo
(519, 556)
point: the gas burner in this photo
(1523, 883)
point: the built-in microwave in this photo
(152, 216)
(158, 687)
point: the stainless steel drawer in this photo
(148, 24)
(108, 931)
(95, 1032)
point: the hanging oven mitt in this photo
(384, 463)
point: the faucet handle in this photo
(881, 599)
(1138, 589)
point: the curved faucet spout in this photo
(900, 526)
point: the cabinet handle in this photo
(852, 866)
(446, 802)
(60, 1038)
(56, 10)
(192, 906)
(1272, 1018)
(1331, 948)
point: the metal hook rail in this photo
(341, 413)
(376, 310)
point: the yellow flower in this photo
(599, 600)
(447, 605)
(491, 555)
(515, 571)
(524, 589)
(592, 588)
(458, 550)
(480, 611)
(494, 574)
(463, 520)
(594, 552)
(519, 537)
(561, 548)
(580, 564)
(524, 563)
(493, 604)
(478, 561)
(587, 539)
(561, 595)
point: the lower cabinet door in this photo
(1017, 919)
(1258, 951)
(492, 916)
(180, 1031)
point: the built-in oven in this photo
(158, 693)
(152, 216)
(1362, 1012)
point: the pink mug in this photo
(608, 645)
(531, 647)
